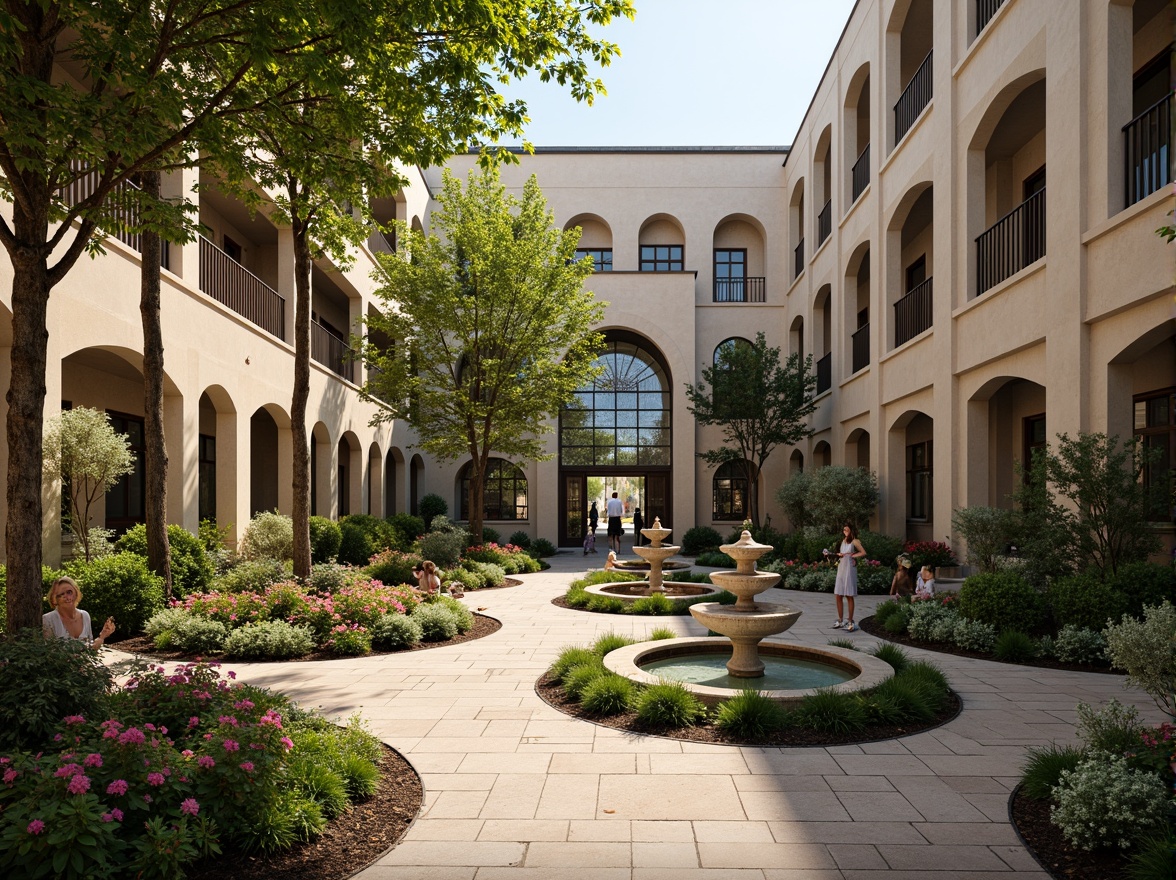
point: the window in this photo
(916, 273)
(504, 491)
(661, 257)
(730, 491)
(918, 467)
(1155, 427)
(730, 270)
(1034, 438)
(233, 250)
(1034, 183)
(343, 487)
(727, 348)
(207, 477)
(126, 500)
(601, 258)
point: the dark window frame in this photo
(206, 476)
(651, 260)
(916, 273)
(1154, 435)
(730, 492)
(503, 480)
(919, 482)
(123, 487)
(602, 258)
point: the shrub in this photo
(325, 538)
(1046, 646)
(431, 506)
(1085, 601)
(1146, 651)
(580, 677)
(873, 579)
(470, 578)
(667, 706)
(930, 674)
(1114, 729)
(192, 570)
(268, 536)
(610, 642)
(355, 543)
(1014, 646)
(1145, 583)
(569, 657)
(792, 496)
(119, 586)
(943, 629)
(830, 711)
(444, 547)
(883, 612)
(391, 632)
(659, 633)
(1077, 645)
(830, 496)
(925, 615)
(252, 576)
(1003, 600)
(1043, 769)
(933, 553)
(541, 548)
(269, 640)
(393, 567)
(750, 716)
(493, 575)
(1154, 858)
(349, 640)
(974, 635)
(1103, 802)
(44, 680)
(162, 621)
(652, 605)
(437, 621)
(520, 539)
(605, 605)
(714, 559)
(197, 635)
(904, 699)
(700, 539)
(411, 527)
(607, 695)
(883, 548)
(330, 577)
(898, 622)
(463, 615)
(892, 654)
(986, 531)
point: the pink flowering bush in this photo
(932, 553)
(349, 640)
(512, 558)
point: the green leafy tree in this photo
(987, 531)
(838, 494)
(759, 402)
(90, 456)
(497, 321)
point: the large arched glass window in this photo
(623, 418)
(504, 491)
(730, 491)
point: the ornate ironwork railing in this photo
(915, 97)
(739, 290)
(912, 313)
(1013, 242)
(230, 283)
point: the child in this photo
(611, 562)
(925, 585)
(901, 585)
(426, 576)
(590, 542)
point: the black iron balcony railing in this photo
(985, 9)
(861, 173)
(739, 290)
(1015, 241)
(825, 373)
(1147, 147)
(915, 97)
(824, 222)
(861, 347)
(798, 260)
(230, 283)
(126, 213)
(912, 313)
(332, 352)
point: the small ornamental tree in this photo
(492, 327)
(757, 401)
(90, 456)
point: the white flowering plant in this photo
(1104, 802)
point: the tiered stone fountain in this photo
(656, 556)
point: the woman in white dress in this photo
(848, 554)
(67, 620)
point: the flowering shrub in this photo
(513, 558)
(349, 640)
(974, 635)
(932, 553)
(1106, 803)
(1157, 752)
(925, 614)
(1078, 645)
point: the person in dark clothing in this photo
(638, 525)
(593, 518)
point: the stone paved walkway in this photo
(515, 789)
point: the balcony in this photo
(985, 9)
(915, 98)
(824, 222)
(232, 285)
(381, 242)
(860, 344)
(912, 313)
(1015, 241)
(825, 373)
(126, 214)
(739, 290)
(798, 260)
(861, 173)
(1147, 147)
(332, 352)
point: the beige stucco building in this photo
(959, 309)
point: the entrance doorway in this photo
(647, 490)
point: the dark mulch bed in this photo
(868, 625)
(351, 841)
(552, 693)
(483, 626)
(1046, 842)
(562, 602)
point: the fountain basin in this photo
(630, 591)
(643, 566)
(865, 670)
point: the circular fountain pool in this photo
(780, 673)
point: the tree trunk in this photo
(752, 494)
(154, 444)
(301, 476)
(474, 501)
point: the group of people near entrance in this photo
(614, 509)
(846, 587)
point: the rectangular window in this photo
(918, 469)
(233, 250)
(1155, 427)
(661, 258)
(916, 273)
(207, 477)
(126, 500)
(1033, 438)
(601, 258)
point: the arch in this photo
(822, 454)
(271, 460)
(910, 265)
(857, 448)
(739, 261)
(393, 481)
(661, 244)
(796, 337)
(911, 456)
(855, 127)
(823, 183)
(595, 231)
(796, 220)
(729, 342)
(732, 488)
(416, 473)
(996, 109)
(349, 475)
(504, 492)
(661, 224)
(217, 457)
(823, 332)
(1141, 394)
(796, 462)
(375, 481)
(856, 309)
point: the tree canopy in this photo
(488, 327)
(759, 402)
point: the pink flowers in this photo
(119, 786)
(132, 736)
(287, 742)
(67, 771)
(93, 760)
(228, 719)
(247, 766)
(231, 745)
(10, 776)
(206, 761)
(78, 784)
(155, 779)
(36, 827)
(190, 807)
(71, 720)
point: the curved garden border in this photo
(1052, 848)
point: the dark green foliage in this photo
(912, 699)
(609, 694)
(654, 604)
(667, 706)
(520, 539)
(921, 670)
(360, 774)
(606, 605)
(320, 783)
(393, 568)
(1014, 646)
(750, 716)
(896, 623)
(881, 547)
(610, 642)
(1043, 769)
(700, 539)
(362, 536)
(1085, 601)
(251, 576)
(490, 536)
(42, 681)
(892, 654)
(192, 570)
(541, 548)
(1154, 857)
(412, 527)
(1004, 599)
(119, 586)
(577, 596)
(842, 643)
(569, 657)
(830, 711)
(579, 677)
(443, 545)
(325, 539)
(715, 559)
(430, 506)
(884, 611)
(280, 823)
(1145, 583)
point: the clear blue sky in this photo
(697, 73)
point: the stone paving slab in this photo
(514, 789)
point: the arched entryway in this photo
(617, 435)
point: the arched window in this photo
(729, 345)
(504, 491)
(729, 495)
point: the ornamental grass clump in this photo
(578, 678)
(567, 658)
(608, 694)
(1043, 769)
(832, 712)
(667, 705)
(892, 654)
(1014, 646)
(659, 633)
(750, 715)
(610, 642)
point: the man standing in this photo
(615, 509)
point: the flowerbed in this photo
(820, 577)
